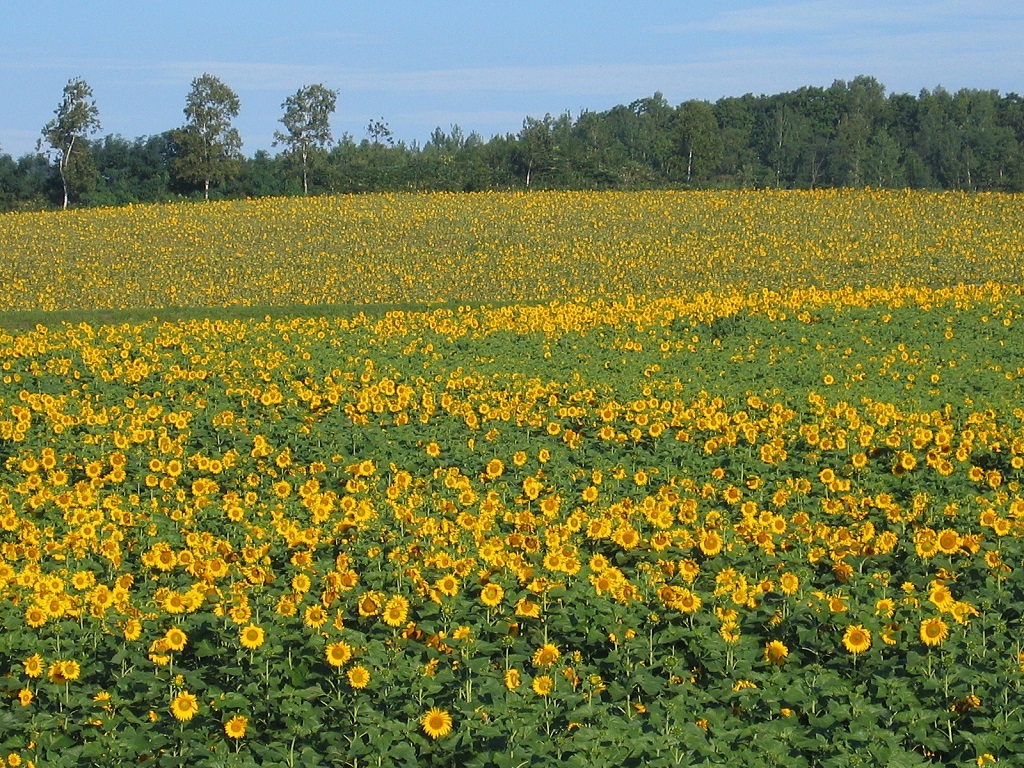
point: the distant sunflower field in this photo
(648, 479)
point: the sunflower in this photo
(491, 595)
(175, 603)
(687, 601)
(730, 631)
(396, 611)
(934, 631)
(527, 608)
(447, 585)
(926, 544)
(711, 543)
(949, 541)
(35, 616)
(494, 468)
(184, 706)
(885, 606)
(369, 604)
(789, 583)
(542, 685)
(513, 679)
(546, 655)
(175, 639)
(688, 570)
(315, 617)
(856, 639)
(338, 653)
(436, 723)
(941, 596)
(359, 677)
(301, 583)
(33, 665)
(56, 673)
(235, 727)
(775, 652)
(252, 637)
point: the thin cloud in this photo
(848, 16)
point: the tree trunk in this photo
(65, 160)
(305, 175)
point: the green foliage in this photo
(342, 410)
(76, 117)
(851, 134)
(307, 124)
(209, 147)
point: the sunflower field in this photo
(648, 479)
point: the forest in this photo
(851, 134)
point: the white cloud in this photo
(854, 16)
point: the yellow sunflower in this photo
(338, 653)
(359, 677)
(369, 604)
(491, 595)
(542, 685)
(436, 723)
(175, 639)
(856, 639)
(527, 608)
(396, 611)
(184, 706)
(447, 585)
(235, 727)
(513, 679)
(949, 541)
(546, 655)
(132, 630)
(315, 617)
(934, 631)
(789, 583)
(775, 652)
(35, 616)
(711, 543)
(34, 665)
(252, 637)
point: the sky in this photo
(482, 65)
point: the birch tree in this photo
(307, 122)
(75, 118)
(210, 148)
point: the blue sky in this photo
(483, 65)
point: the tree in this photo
(76, 117)
(699, 139)
(862, 104)
(535, 150)
(380, 133)
(307, 119)
(209, 146)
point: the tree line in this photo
(849, 134)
